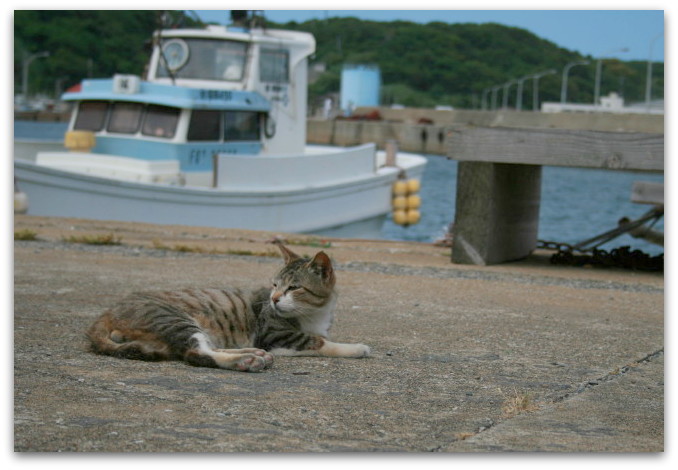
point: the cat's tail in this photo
(105, 339)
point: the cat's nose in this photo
(276, 297)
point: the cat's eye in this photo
(293, 287)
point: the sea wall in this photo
(426, 130)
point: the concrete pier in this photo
(428, 130)
(522, 356)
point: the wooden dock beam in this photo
(499, 181)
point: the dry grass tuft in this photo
(312, 242)
(26, 235)
(462, 436)
(158, 245)
(518, 403)
(107, 239)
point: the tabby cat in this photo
(230, 328)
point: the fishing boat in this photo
(214, 134)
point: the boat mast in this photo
(161, 17)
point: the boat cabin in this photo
(207, 91)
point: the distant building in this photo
(612, 103)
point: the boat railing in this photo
(314, 168)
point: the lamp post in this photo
(566, 71)
(648, 80)
(495, 90)
(506, 86)
(599, 68)
(483, 103)
(519, 92)
(535, 87)
(26, 63)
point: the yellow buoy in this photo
(20, 202)
(79, 141)
(399, 203)
(412, 216)
(400, 217)
(400, 188)
(406, 202)
(413, 201)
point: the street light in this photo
(506, 86)
(519, 92)
(483, 104)
(495, 90)
(599, 67)
(535, 87)
(24, 71)
(648, 80)
(566, 71)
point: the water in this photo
(576, 204)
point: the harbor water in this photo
(576, 203)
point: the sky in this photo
(600, 33)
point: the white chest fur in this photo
(320, 322)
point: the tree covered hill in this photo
(421, 65)
(451, 64)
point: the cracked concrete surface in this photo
(450, 345)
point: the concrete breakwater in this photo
(429, 131)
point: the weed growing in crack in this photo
(25, 235)
(518, 403)
(108, 239)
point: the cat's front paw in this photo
(361, 350)
(353, 350)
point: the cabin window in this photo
(125, 118)
(274, 65)
(204, 125)
(210, 59)
(91, 116)
(160, 121)
(241, 125)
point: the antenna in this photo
(161, 18)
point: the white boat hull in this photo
(352, 209)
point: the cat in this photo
(230, 328)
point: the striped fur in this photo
(229, 328)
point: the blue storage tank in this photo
(360, 86)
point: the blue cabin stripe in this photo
(175, 96)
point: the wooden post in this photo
(391, 152)
(499, 180)
(497, 212)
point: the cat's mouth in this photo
(276, 307)
(281, 310)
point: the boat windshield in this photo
(227, 126)
(203, 59)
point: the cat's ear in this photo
(323, 264)
(288, 254)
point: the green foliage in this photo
(451, 64)
(84, 43)
(421, 65)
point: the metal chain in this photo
(586, 253)
(622, 257)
